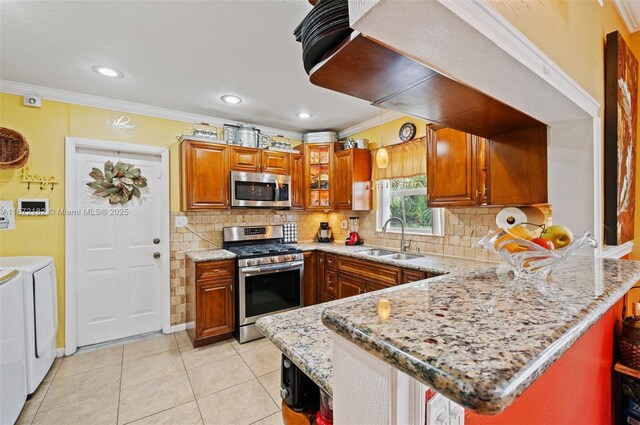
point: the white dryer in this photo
(40, 314)
(13, 389)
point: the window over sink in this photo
(406, 198)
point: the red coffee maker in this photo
(354, 238)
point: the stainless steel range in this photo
(270, 276)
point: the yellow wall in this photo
(390, 132)
(45, 129)
(572, 34)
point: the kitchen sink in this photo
(377, 252)
(401, 257)
(392, 255)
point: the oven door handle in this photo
(248, 270)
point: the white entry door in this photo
(119, 280)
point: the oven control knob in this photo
(260, 260)
(274, 259)
(251, 262)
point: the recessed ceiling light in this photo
(108, 72)
(303, 115)
(229, 98)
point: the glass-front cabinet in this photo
(318, 176)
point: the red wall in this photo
(576, 389)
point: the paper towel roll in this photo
(512, 216)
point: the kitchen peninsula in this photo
(477, 337)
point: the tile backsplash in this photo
(463, 226)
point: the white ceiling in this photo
(629, 10)
(178, 55)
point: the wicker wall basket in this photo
(14, 149)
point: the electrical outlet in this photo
(181, 221)
(456, 414)
(437, 410)
(345, 224)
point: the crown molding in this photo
(13, 87)
(630, 20)
(373, 122)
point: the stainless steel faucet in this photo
(403, 244)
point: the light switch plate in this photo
(181, 221)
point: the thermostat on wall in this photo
(33, 206)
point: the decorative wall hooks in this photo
(44, 181)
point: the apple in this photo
(545, 243)
(559, 235)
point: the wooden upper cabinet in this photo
(451, 168)
(517, 167)
(352, 188)
(275, 162)
(342, 182)
(482, 155)
(467, 170)
(318, 175)
(245, 159)
(297, 181)
(204, 176)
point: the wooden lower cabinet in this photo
(340, 276)
(412, 275)
(209, 301)
(349, 286)
(310, 279)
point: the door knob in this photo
(156, 241)
(156, 255)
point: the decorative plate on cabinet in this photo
(407, 131)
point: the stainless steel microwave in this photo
(260, 190)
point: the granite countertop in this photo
(210, 255)
(430, 263)
(301, 335)
(480, 338)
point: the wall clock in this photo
(407, 131)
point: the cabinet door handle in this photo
(349, 202)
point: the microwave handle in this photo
(277, 191)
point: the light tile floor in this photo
(161, 380)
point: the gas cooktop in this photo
(261, 250)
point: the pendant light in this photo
(382, 156)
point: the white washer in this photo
(13, 386)
(40, 314)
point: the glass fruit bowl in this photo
(529, 260)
